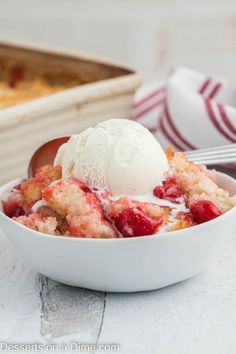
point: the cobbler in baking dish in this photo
(52, 204)
(19, 84)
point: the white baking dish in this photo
(25, 126)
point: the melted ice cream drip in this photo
(38, 205)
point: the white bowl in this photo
(128, 264)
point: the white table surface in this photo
(195, 316)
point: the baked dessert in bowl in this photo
(115, 203)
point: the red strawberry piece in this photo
(83, 186)
(170, 190)
(12, 208)
(203, 210)
(13, 205)
(132, 222)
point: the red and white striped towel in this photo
(191, 110)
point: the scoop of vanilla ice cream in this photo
(118, 154)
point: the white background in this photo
(152, 35)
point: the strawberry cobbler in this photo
(66, 206)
